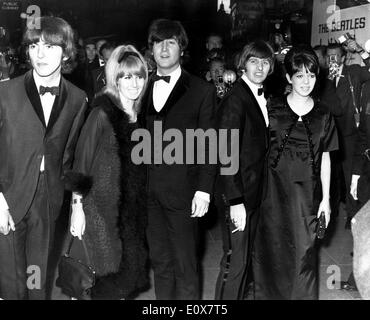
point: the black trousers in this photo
(24, 253)
(235, 266)
(173, 247)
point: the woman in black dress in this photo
(302, 135)
(108, 203)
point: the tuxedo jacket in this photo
(240, 110)
(25, 139)
(355, 75)
(191, 105)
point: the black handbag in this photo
(75, 277)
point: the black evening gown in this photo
(284, 257)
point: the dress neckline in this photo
(299, 117)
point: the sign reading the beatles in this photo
(333, 18)
(10, 5)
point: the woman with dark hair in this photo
(302, 135)
(109, 203)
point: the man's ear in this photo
(288, 78)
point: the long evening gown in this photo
(284, 257)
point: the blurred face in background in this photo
(106, 53)
(99, 43)
(334, 54)
(90, 51)
(214, 42)
(322, 59)
(216, 70)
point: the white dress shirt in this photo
(162, 89)
(260, 99)
(47, 102)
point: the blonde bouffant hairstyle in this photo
(125, 60)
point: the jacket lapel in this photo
(33, 96)
(58, 104)
(177, 92)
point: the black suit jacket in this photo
(240, 110)
(191, 105)
(357, 76)
(24, 139)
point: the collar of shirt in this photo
(175, 75)
(162, 89)
(39, 82)
(261, 100)
(251, 85)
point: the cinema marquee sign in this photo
(331, 19)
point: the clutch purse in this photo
(321, 226)
(75, 277)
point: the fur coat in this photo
(114, 201)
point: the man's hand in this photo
(6, 222)
(78, 221)
(238, 216)
(199, 207)
(353, 188)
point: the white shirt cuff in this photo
(203, 195)
(3, 203)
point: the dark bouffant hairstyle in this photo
(301, 57)
(163, 29)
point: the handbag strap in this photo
(85, 249)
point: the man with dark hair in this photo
(40, 118)
(239, 196)
(178, 193)
(348, 83)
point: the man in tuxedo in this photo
(239, 196)
(348, 82)
(179, 193)
(40, 118)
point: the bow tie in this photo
(156, 77)
(53, 90)
(260, 91)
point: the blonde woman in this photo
(108, 203)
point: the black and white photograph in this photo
(184, 155)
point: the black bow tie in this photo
(260, 91)
(53, 90)
(156, 77)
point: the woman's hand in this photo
(78, 221)
(325, 207)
